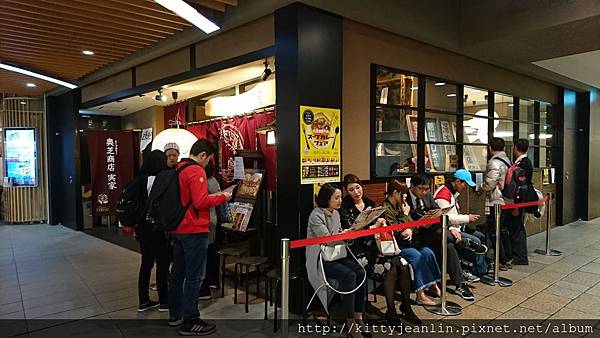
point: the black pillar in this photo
(308, 55)
(63, 154)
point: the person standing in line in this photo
(190, 241)
(171, 149)
(495, 174)
(518, 235)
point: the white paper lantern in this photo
(183, 138)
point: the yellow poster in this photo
(320, 139)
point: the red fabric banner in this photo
(111, 165)
(173, 111)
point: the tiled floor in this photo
(50, 272)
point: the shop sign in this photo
(320, 144)
(146, 138)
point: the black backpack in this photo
(131, 206)
(164, 209)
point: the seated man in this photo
(468, 245)
(420, 201)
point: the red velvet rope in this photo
(300, 243)
(526, 204)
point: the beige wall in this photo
(594, 181)
(251, 37)
(107, 86)
(364, 45)
(170, 64)
(152, 117)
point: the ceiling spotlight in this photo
(161, 96)
(174, 95)
(440, 84)
(31, 85)
(87, 52)
(267, 72)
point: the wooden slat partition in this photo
(25, 204)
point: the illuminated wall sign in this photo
(262, 95)
(20, 156)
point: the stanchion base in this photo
(451, 309)
(548, 253)
(490, 280)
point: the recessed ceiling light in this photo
(87, 52)
(36, 75)
(440, 84)
(451, 95)
(31, 85)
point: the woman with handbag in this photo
(331, 262)
(391, 270)
(425, 267)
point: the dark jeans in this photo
(154, 248)
(187, 273)
(212, 267)
(432, 237)
(348, 273)
(518, 237)
(505, 246)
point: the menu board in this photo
(20, 157)
(250, 185)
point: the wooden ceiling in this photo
(49, 36)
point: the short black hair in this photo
(522, 145)
(497, 144)
(325, 193)
(203, 145)
(154, 162)
(419, 179)
(210, 169)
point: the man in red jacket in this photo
(190, 241)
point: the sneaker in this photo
(163, 307)
(471, 278)
(463, 291)
(147, 306)
(477, 248)
(205, 294)
(197, 328)
(175, 321)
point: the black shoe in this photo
(477, 248)
(463, 291)
(409, 314)
(147, 306)
(520, 262)
(175, 321)
(205, 294)
(197, 328)
(392, 318)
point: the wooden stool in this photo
(228, 252)
(250, 261)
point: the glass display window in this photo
(440, 96)
(393, 88)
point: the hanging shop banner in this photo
(320, 141)
(111, 166)
(145, 138)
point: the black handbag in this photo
(223, 213)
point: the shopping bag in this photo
(387, 244)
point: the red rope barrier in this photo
(300, 243)
(525, 204)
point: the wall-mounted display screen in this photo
(20, 157)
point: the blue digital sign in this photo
(20, 157)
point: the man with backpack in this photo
(494, 184)
(516, 225)
(190, 241)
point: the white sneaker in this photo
(471, 278)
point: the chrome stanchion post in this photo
(285, 285)
(548, 251)
(495, 278)
(445, 308)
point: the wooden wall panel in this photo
(26, 204)
(107, 86)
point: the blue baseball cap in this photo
(465, 175)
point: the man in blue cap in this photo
(446, 196)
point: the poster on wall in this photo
(20, 157)
(111, 167)
(320, 141)
(145, 138)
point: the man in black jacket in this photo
(518, 235)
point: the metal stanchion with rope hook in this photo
(446, 308)
(548, 251)
(285, 285)
(495, 279)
